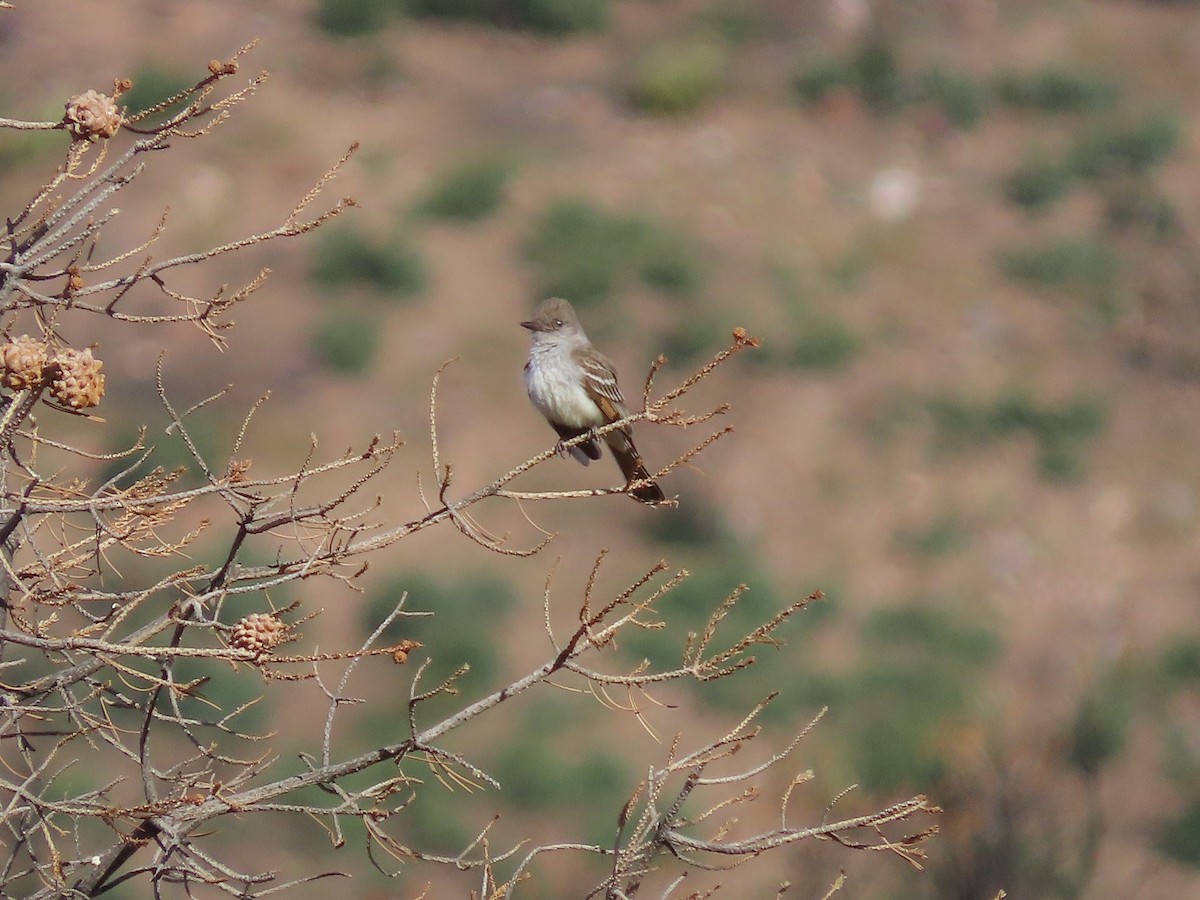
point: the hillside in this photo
(965, 233)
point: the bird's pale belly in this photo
(560, 397)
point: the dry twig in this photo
(101, 665)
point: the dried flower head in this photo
(258, 633)
(217, 67)
(92, 115)
(75, 281)
(77, 381)
(24, 360)
(238, 469)
(401, 650)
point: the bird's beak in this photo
(532, 325)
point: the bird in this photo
(574, 386)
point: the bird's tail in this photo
(634, 469)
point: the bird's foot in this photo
(565, 451)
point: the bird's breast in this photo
(556, 389)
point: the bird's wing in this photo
(600, 383)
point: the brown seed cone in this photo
(24, 361)
(78, 382)
(257, 632)
(92, 115)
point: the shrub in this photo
(1098, 732)
(344, 255)
(1068, 261)
(547, 16)
(583, 253)
(1056, 90)
(710, 581)
(1061, 432)
(942, 536)
(877, 75)
(695, 523)
(561, 16)
(478, 10)
(871, 71)
(14, 154)
(822, 78)
(151, 86)
(666, 261)
(1180, 661)
(848, 270)
(1085, 266)
(822, 343)
(962, 100)
(677, 77)
(736, 22)
(223, 686)
(1179, 836)
(578, 251)
(919, 677)
(469, 191)
(349, 18)
(345, 342)
(1123, 149)
(692, 337)
(542, 777)
(1062, 435)
(1104, 152)
(817, 343)
(1138, 206)
(469, 609)
(439, 819)
(1038, 182)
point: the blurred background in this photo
(966, 234)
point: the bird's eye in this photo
(558, 323)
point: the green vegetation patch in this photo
(1179, 836)
(151, 86)
(1039, 181)
(1098, 732)
(547, 16)
(346, 256)
(1056, 90)
(1180, 662)
(468, 612)
(1061, 432)
(943, 536)
(1104, 153)
(346, 342)
(351, 18)
(538, 773)
(584, 254)
(1136, 205)
(872, 71)
(1126, 148)
(918, 681)
(1079, 261)
(469, 191)
(677, 77)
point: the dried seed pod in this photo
(24, 360)
(91, 115)
(74, 281)
(258, 633)
(401, 650)
(77, 381)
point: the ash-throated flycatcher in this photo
(575, 387)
